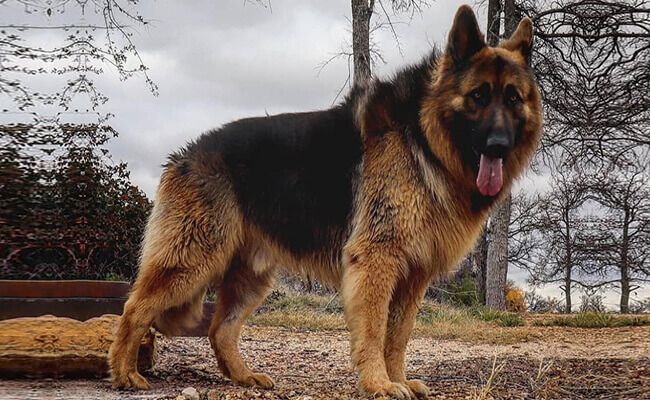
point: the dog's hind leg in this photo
(401, 319)
(156, 290)
(243, 289)
(183, 252)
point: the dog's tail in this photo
(182, 318)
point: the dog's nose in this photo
(497, 146)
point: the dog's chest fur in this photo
(408, 204)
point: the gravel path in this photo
(567, 363)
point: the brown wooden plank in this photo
(82, 309)
(63, 289)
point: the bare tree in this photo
(549, 240)
(622, 257)
(363, 52)
(590, 231)
(592, 302)
(592, 60)
(524, 239)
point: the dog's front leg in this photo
(403, 308)
(369, 280)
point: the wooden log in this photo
(80, 309)
(64, 289)
(50, 346)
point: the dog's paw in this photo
(418, 387)
(256, 379)
(131, 380)
(388, 389)
(138, 381)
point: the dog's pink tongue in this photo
(490, 175)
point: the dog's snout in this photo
(498, 145)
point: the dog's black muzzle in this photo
(498, 144)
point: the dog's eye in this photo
(481, 95)
(512, 97)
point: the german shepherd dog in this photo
(376, 196)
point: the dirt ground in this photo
(564, 363)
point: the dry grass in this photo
(307, 320)
(300, 311)
(477, 332)
(309, 312)
(593, 320)
(485, 391)
(474, 324)
(324, 313)
(540, 385)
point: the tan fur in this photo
(242, 290)
(412, 223)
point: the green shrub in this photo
(115, 277)
(461, 293)
(499, 317)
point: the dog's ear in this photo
(522, 39)
(465, 37)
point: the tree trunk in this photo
(625, 291)
(361, 13)
(493, 22)
(479, 262)
(625, 275)
(567, 289)
(497, 257)
(568, 266)
(511, 18)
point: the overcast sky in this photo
(216, 61)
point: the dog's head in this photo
(486, 103)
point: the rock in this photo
(50, 346)
(190, 393)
